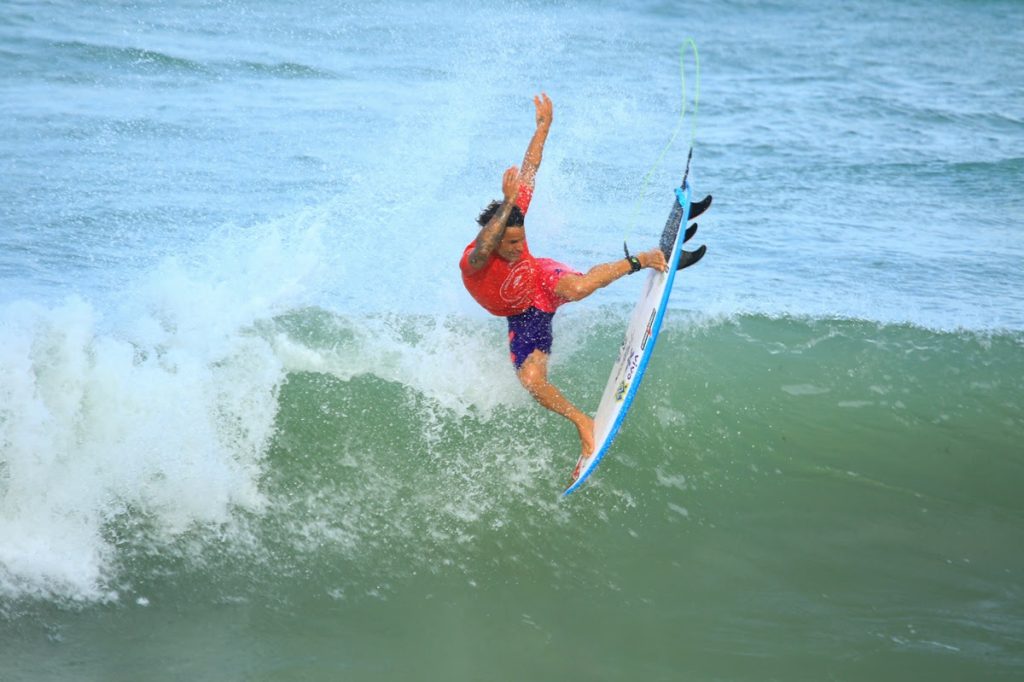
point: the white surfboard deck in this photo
(635, 352)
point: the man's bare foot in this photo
(585, 425)
(586, 428)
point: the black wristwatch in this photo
(634, 264)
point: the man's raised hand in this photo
(545, 111)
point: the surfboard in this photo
(640, 337)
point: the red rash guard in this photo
(505, 288)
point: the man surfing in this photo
(503, 276)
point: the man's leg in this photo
(533, 374)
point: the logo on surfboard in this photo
(630, 369)
(649, 330)
(634, 360)
(620, 392)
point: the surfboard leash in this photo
(679, 124)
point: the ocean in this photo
(252, 427)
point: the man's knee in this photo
(532, 374)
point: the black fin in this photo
(697, 208)
(675, 219)
(690, 231)
(688, 258)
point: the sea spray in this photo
(162, 409)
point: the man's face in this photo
(512, 244)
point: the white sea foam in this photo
(162, 404)
(163, 407)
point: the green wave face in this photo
(835, 482)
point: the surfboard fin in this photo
(687, 236)
(688, 258)
(699, 207)
(675, 219)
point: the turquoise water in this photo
(253, 428)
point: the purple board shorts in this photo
(529, 331)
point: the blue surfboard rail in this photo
(683, 196)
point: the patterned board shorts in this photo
(529, 331)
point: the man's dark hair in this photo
(515, 218)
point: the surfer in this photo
(503, 276)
